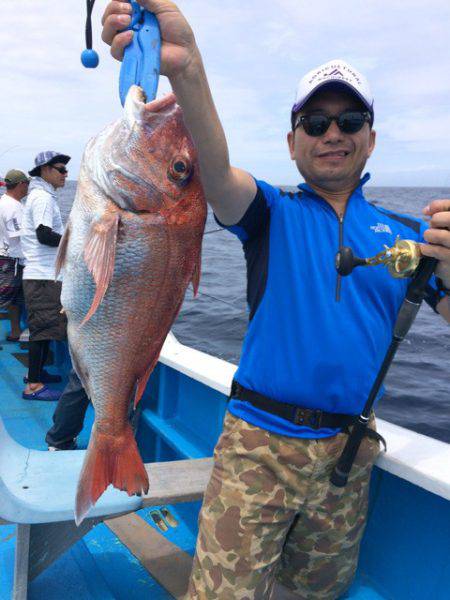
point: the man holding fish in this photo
(272, 525)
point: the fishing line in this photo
(214, 230)
(221, 300)
(242, 312)
(9, 149)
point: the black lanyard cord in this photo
(89, 57)
(89, 8)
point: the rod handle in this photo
(341, 471)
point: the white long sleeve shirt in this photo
(11, 213)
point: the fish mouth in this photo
(137, 107)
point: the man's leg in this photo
(32, 292)
(246, 513)
(35, 353)
(46, 323)
(69, 414)
(44, 354)
(321, 553)
(35, 388)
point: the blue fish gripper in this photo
(142, 57)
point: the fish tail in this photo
(110, 459)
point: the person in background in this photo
(42, 229)
(68, 417)
(11, 256)
(271, 524)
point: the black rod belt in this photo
(315, 419)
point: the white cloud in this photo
(254, 52)
(419, 127)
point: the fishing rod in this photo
(404, 259)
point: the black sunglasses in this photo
(61, 170)
(349, 121)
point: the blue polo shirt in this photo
(316, 339)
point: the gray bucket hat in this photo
(45, 158)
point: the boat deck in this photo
(99, 566)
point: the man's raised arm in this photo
(228, 190)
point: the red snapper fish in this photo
(130, 249)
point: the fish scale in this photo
(131, 247)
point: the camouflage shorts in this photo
(270, 513)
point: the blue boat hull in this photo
(404, 554)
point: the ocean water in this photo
(418, 383)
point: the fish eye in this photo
(180, 169)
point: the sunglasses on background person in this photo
(349, 121)
(61, 170)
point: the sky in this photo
(254, 52)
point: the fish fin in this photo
(142, 382)
(62, 251)
(195, 279)
(99, 255)
(110, 459)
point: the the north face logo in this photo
(335, 73)
(381, 228)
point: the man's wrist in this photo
(192, 71)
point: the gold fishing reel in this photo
(401, 260)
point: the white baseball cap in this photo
(335, 74)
